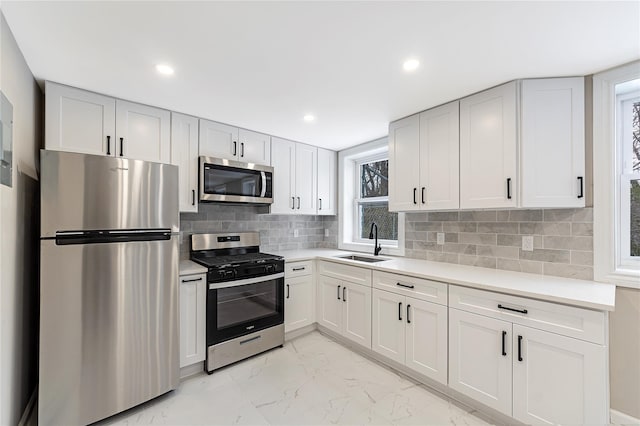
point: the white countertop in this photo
(587, 294)
(188, 267)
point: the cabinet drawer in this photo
(418, 288)
(298, 269)
(580, 323)
(349, 273)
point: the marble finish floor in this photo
(313, 380)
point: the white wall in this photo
(19, 231)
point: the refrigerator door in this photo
(87, 192)
(108, 327)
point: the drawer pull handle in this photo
(108, 145)
(520, 348)
(250, 340)
(299, 269)
(504, 343)
(506, 308)
(193, 280)
(339, 292)
(399, 311)
(287, 291)
(344, 294)
(405, 285)
(408, 319)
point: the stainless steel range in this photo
(245, 296)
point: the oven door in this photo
(237, 308)
(236, 182)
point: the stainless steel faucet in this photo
(376, 247)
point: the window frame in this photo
(609, 263)
(349, 198)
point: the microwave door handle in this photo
(263, 191)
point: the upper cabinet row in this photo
(516, 145)
(90, 123)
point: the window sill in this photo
(368, 248)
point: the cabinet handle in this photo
(405, 285)
(320, 199)
(235, 148)
(504, 343)
(339, 292)
(400, 311)
(193, 197)
(108, 145)
(298, 202)
(293, 203)
(241, 149)
(408, 318)
(506, 308)
(287, 291)
(242, 342)
(423, 188)
(193, 280)
(508, 188)
(344, 294)
(414, 195)
(299, 269)
(520, 348)
(581, 180)
(121, 146)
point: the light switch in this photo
(527, 242)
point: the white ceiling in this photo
(263, 65)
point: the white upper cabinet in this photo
(85, 122)
(488, 149)
(295, 177)
(327, 186)
(306, 178)
(552, 142)
(143, 132)
(220, 140)
(404, 163)
(79, 121)
(184, 154)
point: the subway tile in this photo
(428, 226)
(443, 216)
(583, 215)
(546, 255)
(478, 216)
(459, 248)
(498, 251)
(569, 243)
(582, 229)
(516, 240)
(558, 215)
(450, 237)
(525, 215)
(520, 266)
(498, 227)
(426, 245)
(416, 217)
(416, 254)
(502, 216)
(545, 228)
(582, 258)
(481, 261)
(568, 271)
(415, 236)
(460, 226)
(432, 236)
(442, 257)
(474, 238)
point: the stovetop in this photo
(210, 260)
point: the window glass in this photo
(379, 214)
(374, 179)
(373, 204)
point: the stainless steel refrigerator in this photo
(108, 285)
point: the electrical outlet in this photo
(296, 233)
(527, 242)
(440, 238)
(326, 232)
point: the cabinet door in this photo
(426, 338)
(552, 141)
(184, 154)
(327, 177)
(356, 315)
(298, 303)
(558, 379)
(143, 132)
(79, 121)
(478, 367)
(193, 318)
(329, 303)
(488, 149)
(218, 140)
(440, 158)
(306, 178)
(283, 161)
(254, 147)
(388, 328)
(404, 164)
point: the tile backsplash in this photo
(562, 239)
(276, 231)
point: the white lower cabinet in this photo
(299, 296)
(345, 308)
(193, 318)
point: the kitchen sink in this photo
(362, 258)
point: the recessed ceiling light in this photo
(309, 118)
(164, 69)
(411, 64)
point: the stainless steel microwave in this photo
(235, 182)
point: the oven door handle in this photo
(255, 280)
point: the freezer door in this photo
(85, 192)
(108, 327)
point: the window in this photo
(616, 168)
(364, 190)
